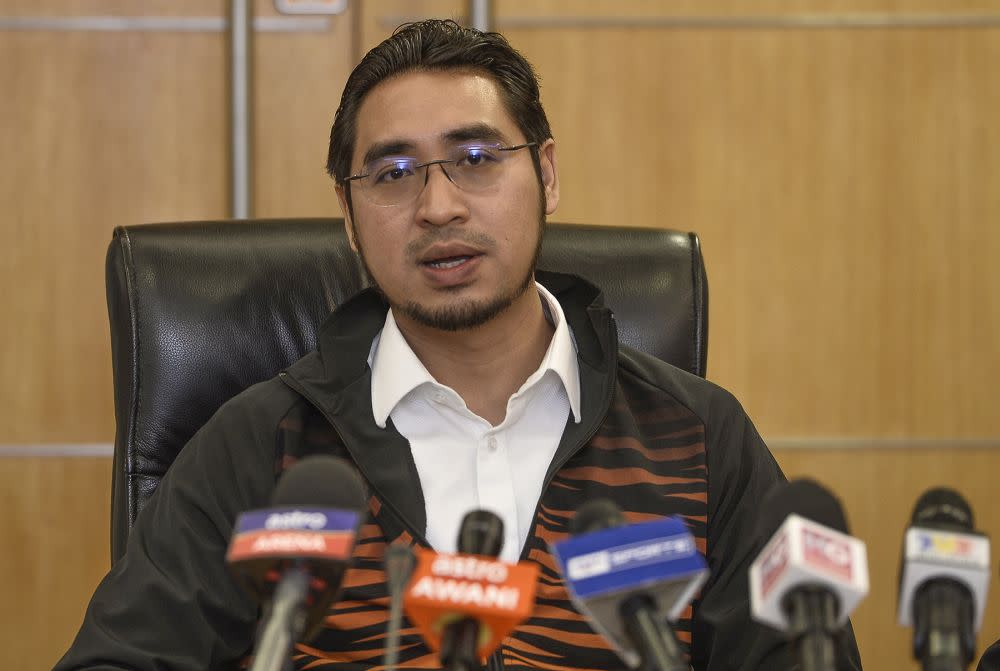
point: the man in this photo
(460, 383)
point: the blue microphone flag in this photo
(605, 569)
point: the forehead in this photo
(419, 108)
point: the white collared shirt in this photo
(463, 461)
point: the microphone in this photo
(292, 556)
(990, 661)
(811, 574)
(630, 579)
(943, 581)
(399, 561)
(464, 604)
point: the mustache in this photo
(476, 239)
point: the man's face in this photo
(450, 259)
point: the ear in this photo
(348, 224)
(550, 174)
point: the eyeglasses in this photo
(396, 180)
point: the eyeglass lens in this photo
(399, 179)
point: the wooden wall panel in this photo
(384, 15)
(735, 8)
(840, 181)
(297, 85)
(107, 129)
(69, 8)
(56, 516)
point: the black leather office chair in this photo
(201, 311)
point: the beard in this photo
(467, 314)
(464, 313)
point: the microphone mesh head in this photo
(595, 515)
(806, 498)
(944, 508)
(321, 481)
(481, 533)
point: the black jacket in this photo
(653, 439)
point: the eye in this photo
(477, 157)
(392, 171)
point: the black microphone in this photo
(629, 579)
(943, 580)
(811, 574)
(292, 556)
(399, 562)
(481, 533)
(990, 661)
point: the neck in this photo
(505, 351)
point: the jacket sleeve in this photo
(170, 601)
(740, 471)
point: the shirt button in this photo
(439, 397)
(492, 444)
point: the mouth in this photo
(450, 265)
(448, 255)
(449, 261)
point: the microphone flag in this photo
(604, 567)
(446, 587)
(934, 553)
(300, 532)
(803, 552)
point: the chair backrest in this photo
(200, 311)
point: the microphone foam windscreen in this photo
(595, 515)
(322, 481)
(481, 533)
(806, 498)
(943, 508)
(990, 661)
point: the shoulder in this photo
(732, 444)
(242, 442)
(258, 409)
(710, 402)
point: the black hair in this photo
(437, 45)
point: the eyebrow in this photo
(383, 149)
(476, 131)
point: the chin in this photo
(460, 316)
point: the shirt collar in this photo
(396, 370)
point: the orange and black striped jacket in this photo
(655, 440)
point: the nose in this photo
(440, 202)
